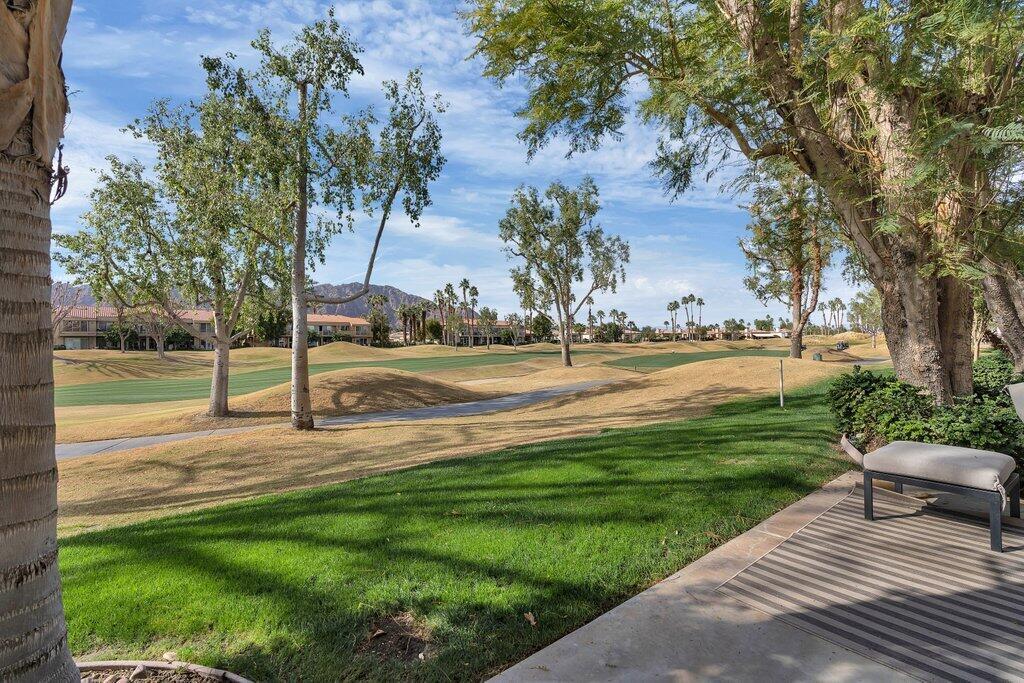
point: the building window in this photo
(76, 326)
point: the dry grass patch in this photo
(551, 377)
(112, 489)
(89, 366)
(343, 392)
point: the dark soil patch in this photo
(149, 675)
(398, 637)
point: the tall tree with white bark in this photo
(344, 167)
(559, 247)
(203, 231)
(33, 103)
(895, 109)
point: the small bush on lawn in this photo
(876, 408)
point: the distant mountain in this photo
(360, 308)
(85, 297)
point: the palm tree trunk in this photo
(33, 633)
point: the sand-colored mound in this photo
(341, 352)
(551, 377)
(358, 390)
(101, 365)
(343, 392)
(89, 366)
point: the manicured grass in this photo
(657, 361)
(178, 389)
(291, 587)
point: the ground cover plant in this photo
(473, 563)
(875, 408)
(658, 361)
(177, 389)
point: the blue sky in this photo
(122, 54)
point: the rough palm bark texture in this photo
(33, 633)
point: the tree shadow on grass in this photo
(289, 586)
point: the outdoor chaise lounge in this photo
(969, 472)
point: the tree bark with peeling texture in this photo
(33, 632)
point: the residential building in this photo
(85, 327)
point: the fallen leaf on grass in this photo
(530, 618)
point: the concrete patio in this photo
(818, 593)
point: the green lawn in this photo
(177, 389)
(658, 361)
(290, 587)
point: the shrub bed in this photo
(876, 408)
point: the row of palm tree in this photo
(413, 318)
(833, 314)
(693, 308)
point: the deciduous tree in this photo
(560, 247)
(792, 236)
(360, 163)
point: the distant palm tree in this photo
(464, 286)
(474, 300)
(700, 316)
(600, 317)
(673, 307)
(451, 300)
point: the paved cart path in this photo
(490, 405)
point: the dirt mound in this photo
(359, 390)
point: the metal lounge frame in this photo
(994, 498)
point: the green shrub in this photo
(992, 372)
(874, 409)
(848, 391)
(979, 422)
(895, 411)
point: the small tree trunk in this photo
(33, 632)
(122, 337)
(302, 410)
(219, 382)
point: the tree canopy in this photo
(903, 113)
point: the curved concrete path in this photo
(490, 405)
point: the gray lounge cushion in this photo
(949, 464)
(1017, 394)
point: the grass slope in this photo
(658, 361)
(292, 586)
(177, 389)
